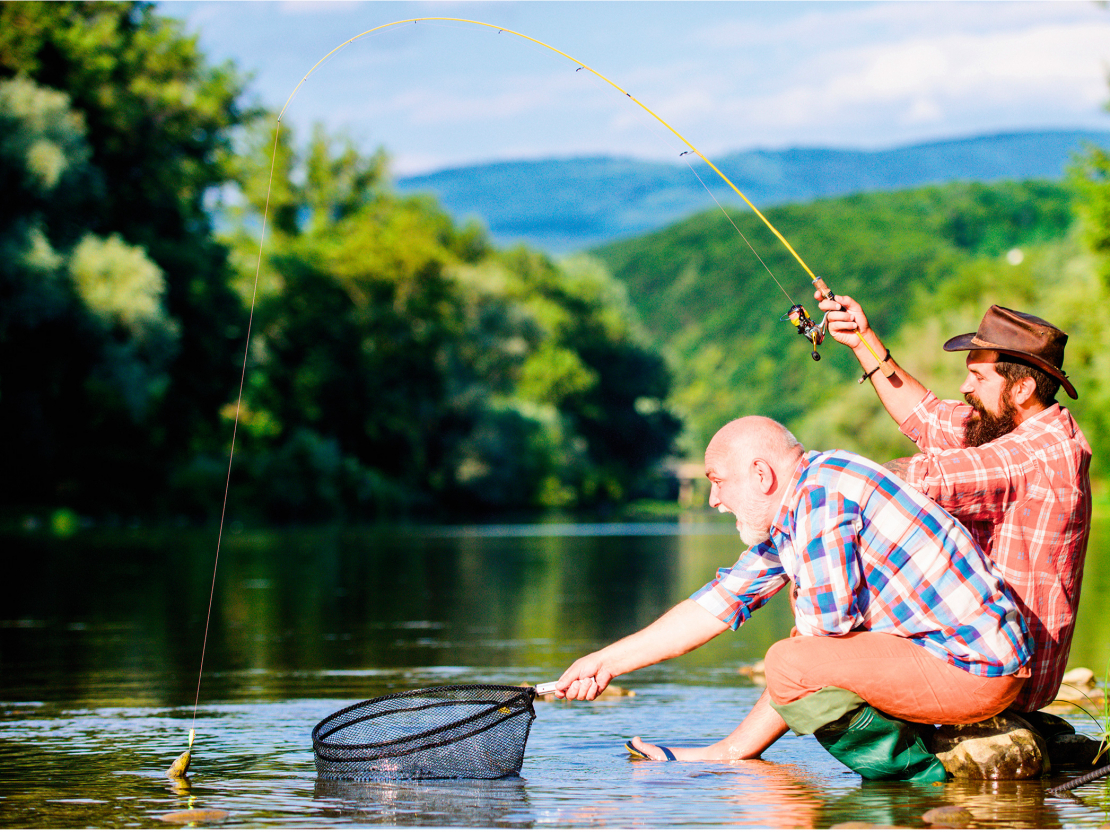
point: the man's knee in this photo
(783, 669)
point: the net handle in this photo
(548, 688)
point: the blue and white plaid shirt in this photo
(866, 552)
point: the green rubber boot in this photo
(879, 747)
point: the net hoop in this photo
(481, 729)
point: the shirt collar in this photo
(1049, 414)
(781, 522)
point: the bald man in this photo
(901, 620)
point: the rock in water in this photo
(1004, 747)
(180, 766)
(1076, 751)
(950, 817)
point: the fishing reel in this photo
(807, 327)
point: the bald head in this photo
(754, 437)
(749, 463)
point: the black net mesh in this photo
(477, 731)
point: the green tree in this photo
(408, 363)
(118, 329)
(1090, 176)
(705, 297)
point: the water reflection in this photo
(1021, 804)
(126, 613)
(100, 645)
(481, 803)
(755, 792)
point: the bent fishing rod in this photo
(811, 330)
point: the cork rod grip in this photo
(885, 366)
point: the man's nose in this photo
(714, 497)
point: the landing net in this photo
(456, 731)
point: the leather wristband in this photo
(866, 376)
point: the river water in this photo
(100, 650)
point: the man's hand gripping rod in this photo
(815, 332)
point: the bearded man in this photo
(1011, 464)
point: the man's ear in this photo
(764, 475)
(1022, 391)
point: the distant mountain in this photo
(563, 205)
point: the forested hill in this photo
(926, 263)
(562, 205)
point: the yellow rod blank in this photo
(578, 63)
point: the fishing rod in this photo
(813, 331)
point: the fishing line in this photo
(738, 231)
(652, 125)
(177, 770)
(234, 434)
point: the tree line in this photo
(398, 365)
(926, 264)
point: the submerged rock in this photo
(1004, 747)
(609, 692)
(613, 690)
(1081, 677)
(1076, 751)
(1066, 749)
(949, 817)
(755, 672)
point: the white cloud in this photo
(1026, 74)
(728, 76)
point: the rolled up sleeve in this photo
(936, 426)
(741, 589)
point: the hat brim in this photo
(970, 341)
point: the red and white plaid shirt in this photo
(1026, 498)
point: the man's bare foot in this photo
(638, 748)
(661, 752)
(760, 728)
(717, 752)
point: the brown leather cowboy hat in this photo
(1020, 335)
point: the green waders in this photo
(870, 743)
(880, 747)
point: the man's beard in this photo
(982, 426)
(753, 536)
(750, 531)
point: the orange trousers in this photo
(888, 672)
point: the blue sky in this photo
(726, 75)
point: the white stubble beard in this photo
(751, 533)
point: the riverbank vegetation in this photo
(399, 364)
